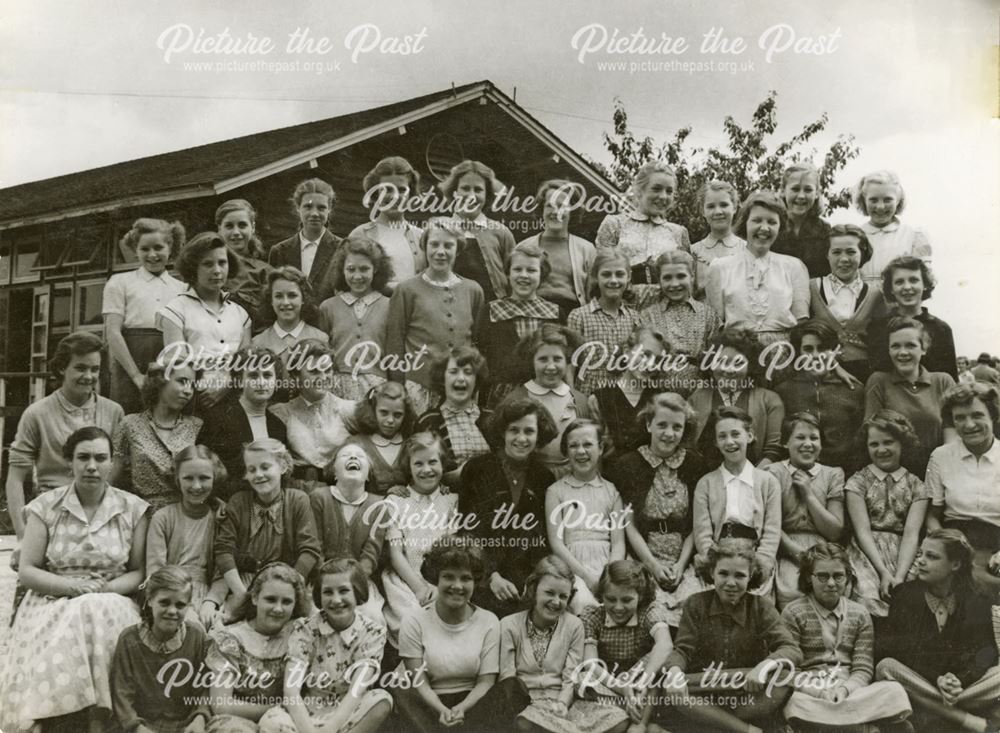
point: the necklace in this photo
(165, 427)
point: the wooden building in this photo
(54, 261)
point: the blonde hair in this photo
(886, 178)
(173, 232)
(276, 448)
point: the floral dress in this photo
(888, 498)
(59, 653)
(668, 509)
(250, 667)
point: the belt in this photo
(736, 531)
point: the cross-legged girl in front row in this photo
(163, 641)
(583, 512)
(837, 640)
(543, 646)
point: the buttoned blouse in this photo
(711, 248)
(282, 342)
(138, 295)
(641, 237)
(967, 486)
(78, 546)
(888, 497)
(217, 332)
(349, 326)
(893, 240)
(769, 293)
(825, 483)
(316, 430)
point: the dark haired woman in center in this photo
(456, 644)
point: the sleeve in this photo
(946, 349)
(25, 448)
(574, 654)
(307, 544)
(489, 655)
(411, 637)
(156, 541)
(862, 657)
(113, 300)
(394, 512)
(918, 489)
(575, 320)
(226, 534)
(687, 634)
(792, 618)
(934, 480)
(508, 647)
(685, 238)
(799, 276)
(776, 635)
(609, 232)
(592, 618)
(771, 535)
(701, 517)
(122, 445)
(478, 309)
(372, 646)
(836, 491)
(170, 313)
(874, 394)
(654, 617)
(889, 642)
(274, 256)
(123, 685)
(980, 653)
(224, 653)
(371, 551)
(396, 325)
(300, 644)
(774, 410)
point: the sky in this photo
(915, 82)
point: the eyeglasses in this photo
(825, 578)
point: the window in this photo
(89, 249)
(89, 301)
(25, 253)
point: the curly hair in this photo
(717, 186)
(195, 250)
(548, 334)
(646, 171)
(365, 410)
(382, 271)
(729, 548)
(628, 574)
(200, 453)
(907, 262)
(850, 230)
(529, 249)
(899, 323)
(274, 571)
(510, 410)
(258, 357)
(766, 199)
(675, 403)
(893, 423)
(962, 395)
(822, 551)
(336, 566)
(173, 233)
(828, 339)
(308, 312)
(453, 552)
(421, 441)
(887, 178)
(462, 356)
(157, 377)
(169, 577)
(275, 448)
(743, 340)
(255, 247)
(551, 566)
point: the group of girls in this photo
(458, 473)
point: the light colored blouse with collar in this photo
(766, 294)
(641, 237)
(893, 240)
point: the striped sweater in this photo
(855, 639)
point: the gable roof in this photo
(214, 168)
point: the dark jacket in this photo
(226, 431)
(965, 647)
(321, 277)
(633, 477)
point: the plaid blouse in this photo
(622, 646)
(598, 326)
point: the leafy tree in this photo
(746, 161)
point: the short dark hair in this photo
(78, 343)
(551, 565)
(822, 551)
(962, 395)
(292, 275)
(423, 440)
(382, 271)
(767, 199)
(196, 248)
(463, 356)
(907, 262)
(91, 432)
(578, 424)
(790, 421)
(630, 574)
(828, 339)
(365, 417)
(453, 552)
(335, 566)
(732, 412)
(511, 409)
(851, 230)
(730, 548)
(895, 424)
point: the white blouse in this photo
(895, 239)
(769, 293)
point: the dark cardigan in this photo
(633, 477)
(226, 431)
(361, 538)
(300, 546)
(965, 647)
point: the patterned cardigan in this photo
(855, 638)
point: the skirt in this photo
(786, 578)
(585, 716)
(666, 547)
(877, 701)
(867, 588)
(277, 720)
(144, 345)
(593, 555)
(59, 656)
(400, 601)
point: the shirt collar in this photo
(888, 228)
(665, 303)
(168, 646)
(578, 484)
(303, 242)
(814, 471)
(294, 333)
(193, 294)
(351, 298)
(610, 624)
(111, 506)
(736, 613)
(923, 376)
(451, 282)
(836, 284)
(72, 409)
(654, 461)
(382, 442)
(746, 475)
(536, 389)
(729, 241)
(992, 455)
(838, 611)
(637, 215)
(336, 494)
(148, 276)
(348, 635)
(897, 475)
(472, 410)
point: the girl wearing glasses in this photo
(837, 641)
